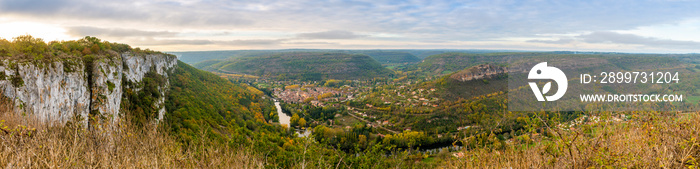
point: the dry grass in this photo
(28, 143)
(649, 141)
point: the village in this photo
(309, 94)
(377, 99)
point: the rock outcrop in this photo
(479, 72)
(59, 90)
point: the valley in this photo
(349, 84)
(340, 106)
(433, 103)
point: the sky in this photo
(638, 26)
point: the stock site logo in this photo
(542, 72)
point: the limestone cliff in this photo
(479, 72)
(61, 89)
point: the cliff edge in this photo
(87, 78)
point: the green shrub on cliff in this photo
(27, 47)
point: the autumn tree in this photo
(294, 121)
(302, 122)
(325, 95)
(308, 99)
(30, 46)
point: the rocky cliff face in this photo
(479, 72)
(59, 90)
(136, 67)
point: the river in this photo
(284, 120)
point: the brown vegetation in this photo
(648, 140)
(27, 143)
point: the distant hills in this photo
(389, 57)
(446, 63)
(306, 66)
(384, 56)
(194, 57)
(440, 62)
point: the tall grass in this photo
(28, 143)
(648, 140)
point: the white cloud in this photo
(335, 34)
(48, 32)
(619, 38)
(358, 23)
(688, 30)
(115, 32)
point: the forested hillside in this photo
(390, 57)
(306, 66)
(206, 108)
(471, 82)
(199, 56)
(446, 63)
(384, 56)
(199, 100)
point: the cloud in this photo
(335, 34)
(152, 42)
(438, 22)
(311, 43)
(615, 38)
(131, 11)
(106, 32)
(558, 41)
(257, 42)
(439, 19)
(254, 42)
(35, 7)
(620, 38)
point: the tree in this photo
(325, 95)
(30, 46)
(363, 140)
(294, 121)
(302, 122)
(308, 99)
(5, 47)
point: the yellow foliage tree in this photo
(302, 122)
(291, 87)
(308, 99)
(254, 90)
(325, 95)
(259, 117)
(294, 120)
(363, 139)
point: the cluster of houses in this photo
(299, 95)
(411, 97)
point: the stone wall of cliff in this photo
(62, 89)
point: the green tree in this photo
(30, 46)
